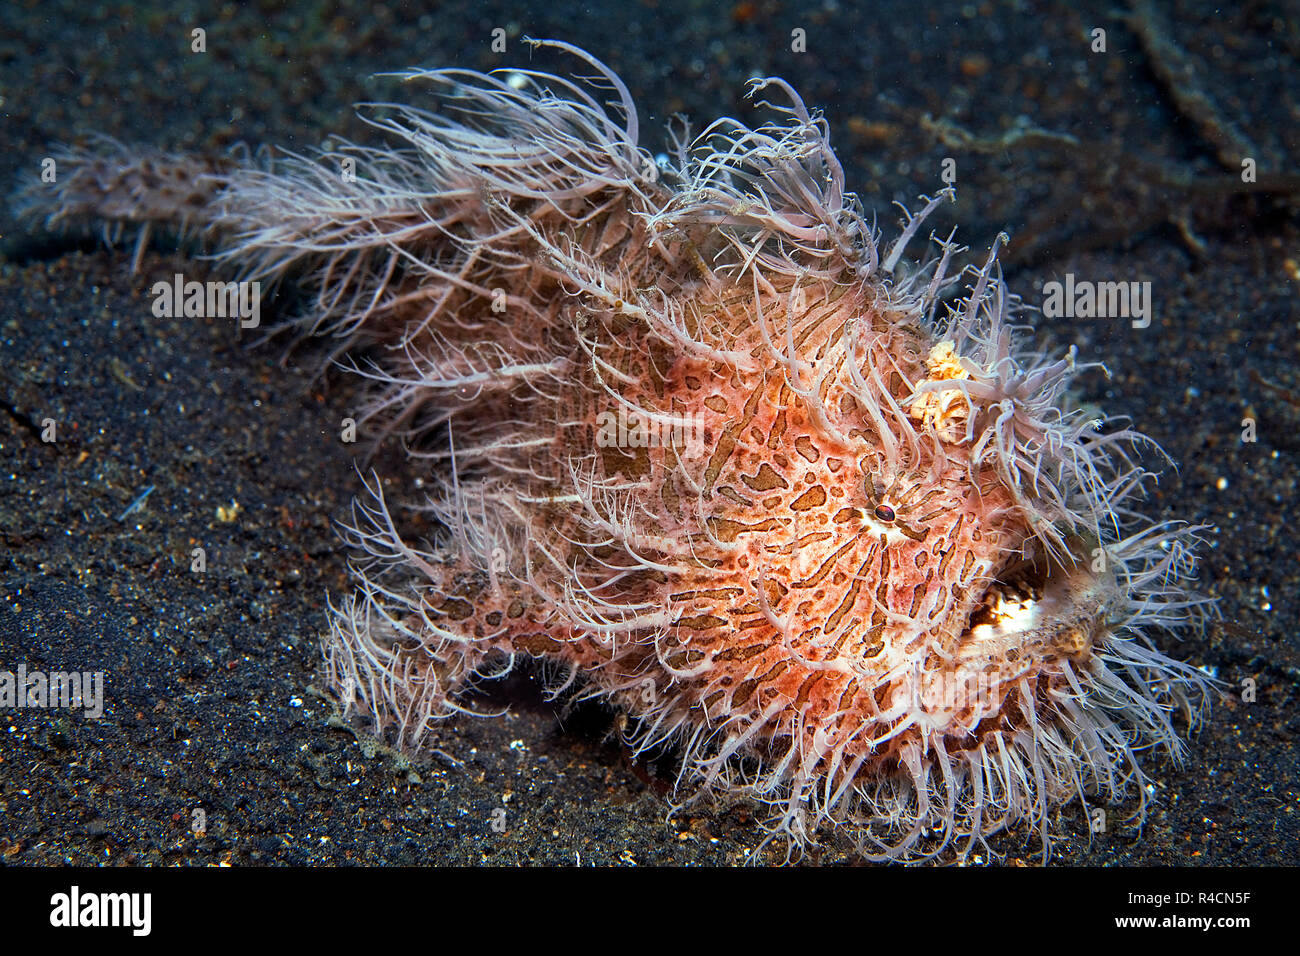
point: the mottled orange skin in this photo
(861, 615)
(849, 597)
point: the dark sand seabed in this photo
(209, 678)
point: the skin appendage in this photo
(807, 511)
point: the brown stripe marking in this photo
(765, 479)
(846, 698)
(912, 532)
(829, 564)
(727, 443)
(685, 658)
(746, 688)
(811, 538)
(706, 592)
(917, 593)
(741, 653)
(700, 622)
(814, 497)
(928, 495)
(724, 529)
(850, 597)
(964, 577)
(778, 429)
(731, 494)
(805, 690)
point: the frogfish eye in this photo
(884, 512)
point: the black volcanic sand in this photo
(212, 679)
